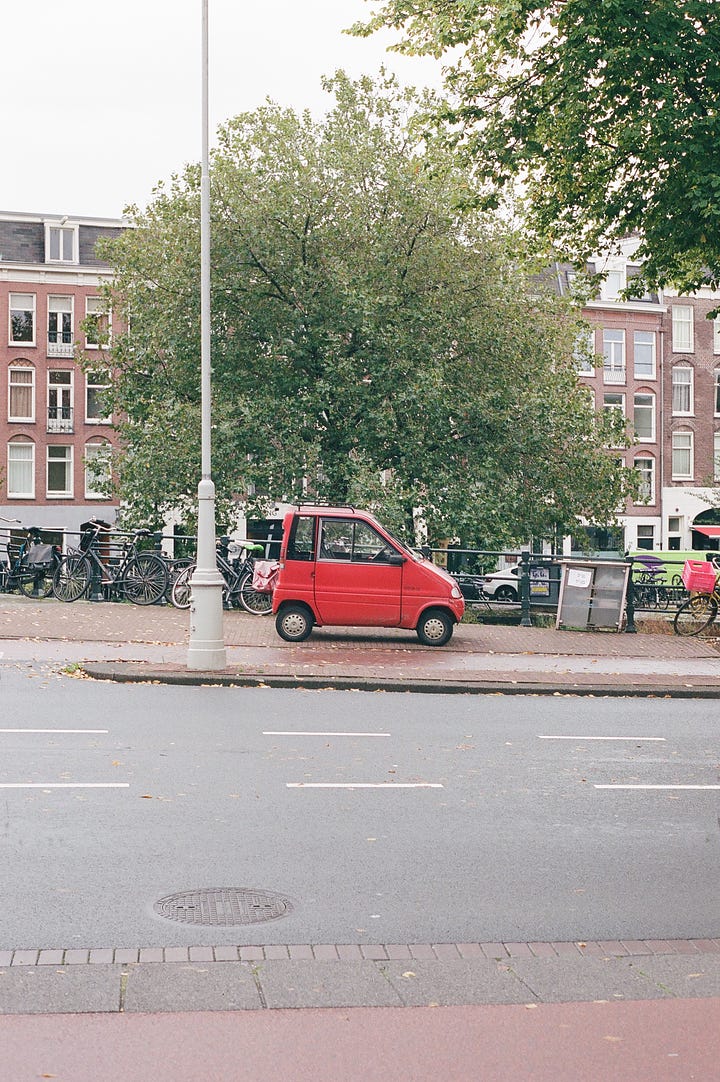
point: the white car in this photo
(503, 585)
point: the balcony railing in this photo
(614, 375)
(60, 419)
(57, 347)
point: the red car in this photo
(339, 566)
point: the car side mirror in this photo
(395, 559)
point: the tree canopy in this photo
(606, 111)
(373, 342)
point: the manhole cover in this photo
(223, 906)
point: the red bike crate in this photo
(699, 575)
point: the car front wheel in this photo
(435, 628)
(506, 593)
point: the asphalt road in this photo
(478, 823)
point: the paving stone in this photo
(317, 984)
(454, 983)
(126, 955)
(577, 980)
(169, 986)
(51, 958)
(684, 976)
(62, 990)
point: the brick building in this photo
(53, 430)
(661, 369)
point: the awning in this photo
(708, 531)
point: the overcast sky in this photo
(101, 101)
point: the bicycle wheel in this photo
(253, 601)
(36, 584)
(72, 578)
(145, 579)
(697, 613)
(180, 593)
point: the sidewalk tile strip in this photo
(151, 954)
(280, 952)
(50, 958)
(374, 952)
(634, 946)
(399, 951)
(102, 955)
(422, 951)
(446, 951)
(494, 951)
(542, 950)
(615, 948)
(24, 958)
(685, 946)
(177, 954)
(661, 946)
(301, 951)
(5, 958)
(591, 949)
(226, 954)
(76, 957)
(349, 952)
(325, 952)
(711, 946)
(469, 951)
(251, 954)
(518, 950)
(127, 955)
(201, 954)
(565, 950)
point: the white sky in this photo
(102, 100)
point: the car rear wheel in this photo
(294, 623)
(506, 593)
(435, 628)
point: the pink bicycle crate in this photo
(699, 575)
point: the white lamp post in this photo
(207, 645)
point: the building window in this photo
(22, 319)
(21, 394)
(614, 356)
(646, 537)
(59, 471)
(682, 456)
(60, 244)
(97, 323)
(584, 353)
(644, 416)
(613, 285)
(646, 487)
(60, 326)
(682, 328)
(97, 384)
(97, 471)
(716, 457)
(60, 400)
(21, 469)
(717, 391)
(716, 334)
(644, 354)
(682, 389)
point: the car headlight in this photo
(456, 592)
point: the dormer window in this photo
(61, 243)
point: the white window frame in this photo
(613, 355)
(92, 385)
(716, 335)
(716, 457)
(650, 498)
(61, 397)
(101, 310)
(585, 345)
(64, 232)
(651, 343)
(613, 284)
(21, 368)
(16, 307)
(646, 526)
(67, 493)
(644, 406)
(688, 385)
(16, 494)
(91, 450)
(689, 448)
(716, 377)
(683, 329)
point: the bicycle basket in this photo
(39, 557)
(699, 575)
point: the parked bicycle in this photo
(237, 569)
(140, 577)
(700, 610)
(30, 565)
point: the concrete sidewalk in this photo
(126, 642)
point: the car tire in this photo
(506, 593)
(294, 623)
(435, 628)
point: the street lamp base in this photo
(206, 649)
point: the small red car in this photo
(339, 566)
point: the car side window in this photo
(301, 543)
(368, 545)
(336, 536)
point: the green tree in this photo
(606, 111)
(372, 341)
